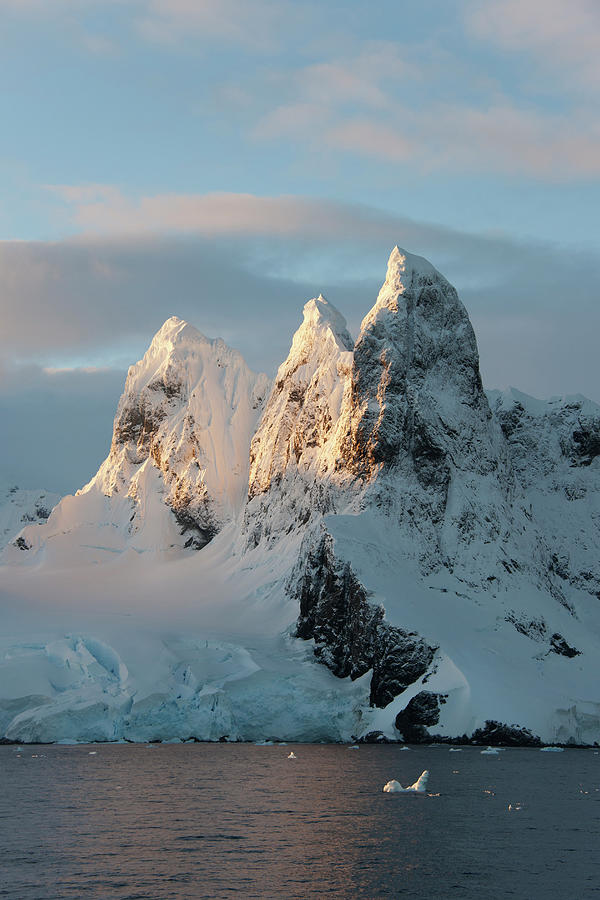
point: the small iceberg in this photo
(353, 747)
(455, 749)
(419, 787)
(551, 749)
(491, 751)
(292, 755)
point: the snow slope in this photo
(19, 507)
(384, 548)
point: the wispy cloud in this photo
(497, 138)
(233, 261)
(427, 108)
(254, 23)
(105, 209)
(562, 35)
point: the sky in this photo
(226, 160)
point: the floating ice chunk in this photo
(419, 787)
(455, 749)
(403, 748)
(292, 755)
(92, 753)
(353, 747)
(551, 749)
(491, 751)
(393, 787)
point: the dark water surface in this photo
(217, 821)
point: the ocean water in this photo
(239, 820)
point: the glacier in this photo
(368, 547)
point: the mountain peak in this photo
(318, 313)
(404, 270)
(176, 331)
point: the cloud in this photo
(430, 108)
(241, 266)
(56, 428)
(513, 140)
(105, 209)
(76, 313)
(253, 23)
(563, 36)
(495, 135)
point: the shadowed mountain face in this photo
(416, 395)
(430, 552)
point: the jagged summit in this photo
(175, 333)
(322, 332)
(415, 374)
(404, 272)
(305, 401)
(320, 313)
(177, 470)
(178, 339)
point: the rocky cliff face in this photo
(293, 455)
(350, 633)
(555, 450)
(409, 446)
(416, 427)
(188, 411)
(177, 470)
(398, 423)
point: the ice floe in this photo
(419, 787)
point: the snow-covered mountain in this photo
(177, 470)
(370, 545)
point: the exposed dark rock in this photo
(498, 734)
(536, 629)
(350, 633)
(22, 544)
(137, 424)
(420, 713)
(586, 443)
(199, 533)
(560, 646)
(169, 385)
(374, 737)
(418, 335)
